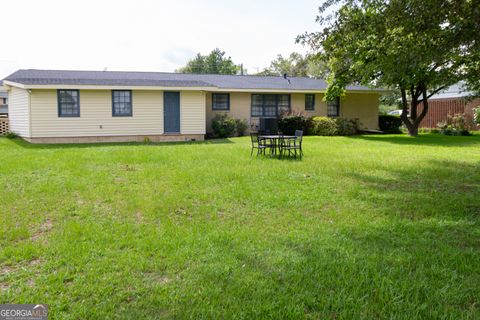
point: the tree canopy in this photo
(295, 65)
(215, 63)
(415, 47)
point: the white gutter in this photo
(13, 84)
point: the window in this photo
(270, 105)
(68, 103)
(257, 105)
(333, 108)
(283, 103)
(121, 103)
(220, 101)
(309, 102)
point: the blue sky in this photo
(148, 35)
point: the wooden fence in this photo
(4, 126)
(439, 109)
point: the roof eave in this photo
(177, 88)
(102, 87)
(8, 83)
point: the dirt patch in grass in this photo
(7, 269)
(127, 167)
(157, 278)
(35, 262)
(4, 287)
(44, 228)
(138, 217)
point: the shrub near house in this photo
(456, 125)
(325, 126)
(476, 115)
(390, 123)
(320, 126)
(289, 123)
(224, 127)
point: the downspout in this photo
(29, 112)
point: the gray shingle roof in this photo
(120, 78)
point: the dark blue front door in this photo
(171, 112)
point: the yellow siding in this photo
(192, 112)
(96, 115)
(239, 107)
(298, 105)
(18, 113)
(361, 106)
(195, 112)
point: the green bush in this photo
(346, 127)
(11, 135)
(324, 126)
(390, 123)
(476, 115)
(428, 130)
(287, 124)
(223, 126)
(241, 126)
(456, 125)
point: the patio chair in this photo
(292, 145)
(299, 138)
(260, 144)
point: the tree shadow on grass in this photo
(353, 272)
(440, 188)
(395, 268)
(419, 259)
(424, 140)
(27, 145)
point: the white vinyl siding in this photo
(96, 115)
(18, 113)
(192, 112)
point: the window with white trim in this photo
(121, 103)
(68, 103)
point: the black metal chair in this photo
(260, 144)
(299, 138)
(292, 145)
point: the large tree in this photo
(213, 63)
(415, 47)
(295, 65)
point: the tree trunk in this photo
(413, 121)
(404, 116)
(413, 131)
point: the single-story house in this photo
(51, 106)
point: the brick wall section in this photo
(439, 109)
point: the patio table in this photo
(275, 138)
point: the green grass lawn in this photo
(362, 227)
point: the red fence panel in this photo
(439, 109)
